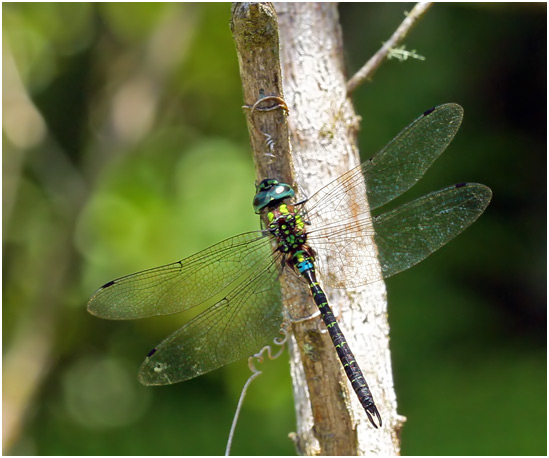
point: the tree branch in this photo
(369, 68)
(255, 32)
(322, 127)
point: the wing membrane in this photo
(393, 170)
(244, 321)
(181, 285)
(411, 232)
(405, 159)
(341, 232)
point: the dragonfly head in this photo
(271, 192)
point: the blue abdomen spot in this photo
(305, 265)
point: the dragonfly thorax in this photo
(271, 193)
(289, 230)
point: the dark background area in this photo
(117, 120)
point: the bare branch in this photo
(369, 68)
(255, 32)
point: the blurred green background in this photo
(117, 119)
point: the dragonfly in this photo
(237, 281)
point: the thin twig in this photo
(259, 357)
(375, 61)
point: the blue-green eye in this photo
(269, 191)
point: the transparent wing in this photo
(411, 232)
(404, 236)
(338, 231)
(338, 227)
(346, 255)
(393, 170)
(179, 286)
(405, 159)
(240, 324)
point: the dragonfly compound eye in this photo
(271, 192)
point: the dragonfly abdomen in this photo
(348, 361)
(288, 228)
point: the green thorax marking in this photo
(288, 228)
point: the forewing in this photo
(411, 232)
(339, 230)
(345, 253)
(179, 286)
(237, 326)
(400, 164)
(393, 170)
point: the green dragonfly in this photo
(237, 280)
